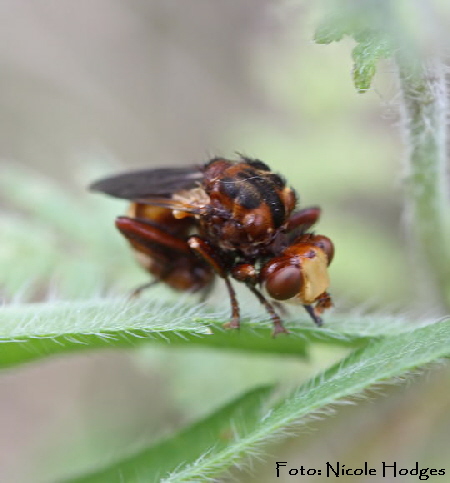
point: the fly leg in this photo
(278, 327)
(204, 249)
(139, 289)
(151, 240)
(301, 221)
(312, 313)
(323, 302)
(284, 312)
(167, 257)
(246, 273)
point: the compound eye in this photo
(284, 283)
(326, 245)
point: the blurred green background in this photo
(88, 88)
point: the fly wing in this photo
(149, 183)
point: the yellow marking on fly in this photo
(316, 278)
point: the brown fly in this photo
(232, 219)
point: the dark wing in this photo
(149, 183)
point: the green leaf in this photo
(32, 331)
(383, 360)
(366, 22)
(380, 361)
(366, 55)
(212, 434)
(332, 29)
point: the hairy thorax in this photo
(248, 207)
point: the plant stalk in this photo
(423, 87)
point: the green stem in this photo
(425, 108)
